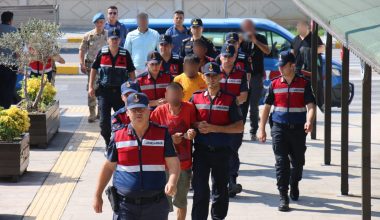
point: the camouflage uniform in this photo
(91, 44)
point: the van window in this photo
(276, 44)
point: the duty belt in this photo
(289, 126)
(142, 200)
(210, 148)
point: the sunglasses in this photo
(154, 64)
(112, 13)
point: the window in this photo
(276, 44)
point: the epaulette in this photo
(175, 56)
(186, 39)
(122, 51)
(241, 56)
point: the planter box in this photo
(43, 126)
(14, 158)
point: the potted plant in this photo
(36, 40)
(14, 142)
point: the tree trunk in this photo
(40, 91)
(25, 90)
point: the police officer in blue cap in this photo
(120, 118)
(292, 118)
(115, 67)
(137, 159)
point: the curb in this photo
(68, 69)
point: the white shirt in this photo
(139, 44)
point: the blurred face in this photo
(227, 61)
(139, 115)
(142, 22)
(99, 24)
(199, 51)
(212, 80)
(196, 31)
(112, 14)
(165, 48)
(174, 96)
(287, 69)
(190, 69)
(113, 42)
(302, 28)
(178, 19)
(154, 68)
(248, 27)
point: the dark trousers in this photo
(256, 88)
(7, 86)
(216, 163)
(289, 147)
(234, 159)
(108, 98)
(156, 210)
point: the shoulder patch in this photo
(175, 56)
(122, 51)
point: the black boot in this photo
(294, 191)
(233, 187)
(284, 202)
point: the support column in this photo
(366, 144)
(344, 120)
(327, 100)
(314, 72)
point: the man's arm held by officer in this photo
(91, 90)
(233, 128)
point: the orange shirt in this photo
(177, 123)
(190, 85)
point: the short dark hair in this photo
(175, 86)
(112, 7)
(142, 15)
(180, 12)
(192, 58)
(6, 17)
(200, 42)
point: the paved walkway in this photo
(52, 191)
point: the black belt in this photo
(211, 148)
(289, 126)
(142, 200)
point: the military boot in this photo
(284, 202)
(234, 188)
(92, 116)
(294, 191)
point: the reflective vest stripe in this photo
(121, 67)
(158, 86)
(214, 107)
(136, 168)
(231, 81)
(285, 109)
(122, 144)
(285, 90)
(37, 70)
(105, 65)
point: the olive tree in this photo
(36, 40)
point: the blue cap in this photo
(211, 68)
(228, 50)
(286, 57)
(154, 57)
(231, 37)
(114, 33)
(137, 100)
(129, 87)
(98, 16)
(166, 39)
(196, 22)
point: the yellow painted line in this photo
(74, 39)
(53, 196)
(68, 68)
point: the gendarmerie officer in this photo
(291, 119)
(233, 81)
(218, 119)
(136, 158)
(172, 63)
(196, 30)
(115, 67)
(92, 42)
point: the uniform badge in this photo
(136, 98)
(153, 56)
(227, 49)
(114, 31)
(210, 68)
(128, 84)
(195, 22)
